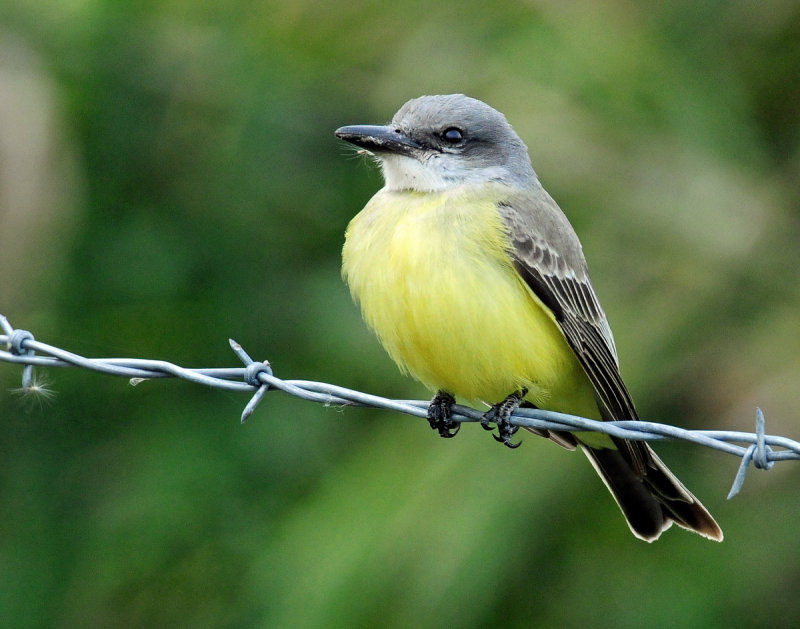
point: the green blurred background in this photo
(169, 179)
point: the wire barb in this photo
(14, 342)
(252, 376)
(759, 453)
(257, 377)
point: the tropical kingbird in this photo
(475, 283)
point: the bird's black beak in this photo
(377, 139)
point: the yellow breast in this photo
(432, 274)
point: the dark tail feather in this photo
(652, 502)
(650, 496)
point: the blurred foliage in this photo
(169, 179)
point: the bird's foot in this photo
(439, 415)
(499, 414)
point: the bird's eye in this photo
(452, 135)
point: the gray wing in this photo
(548, 256)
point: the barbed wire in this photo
(22, 348)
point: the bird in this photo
(475, 283)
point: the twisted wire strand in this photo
(22, 348)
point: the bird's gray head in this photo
(439, 142)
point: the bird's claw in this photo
(439, 415)
(499, 414)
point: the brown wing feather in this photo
(547, 254)
(564, 287)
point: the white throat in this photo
(401, 172)
(436, 172)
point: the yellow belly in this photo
(435, 282)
